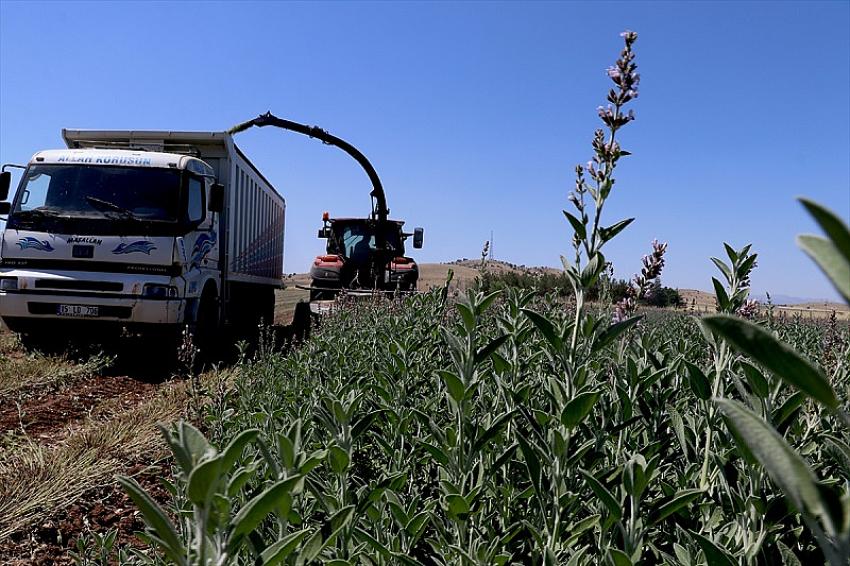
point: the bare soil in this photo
(44, 414)
(51, 416)
(99, 510)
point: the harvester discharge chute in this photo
(376, 262)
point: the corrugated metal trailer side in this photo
(256, 224)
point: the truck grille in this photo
(66, 284)
(90, 266)
(103, 310)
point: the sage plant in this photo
(595, 181)
(639, 286)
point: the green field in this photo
(422, 431)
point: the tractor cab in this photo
(366, 254)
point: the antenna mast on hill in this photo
(491, 246)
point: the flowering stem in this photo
(600, 201)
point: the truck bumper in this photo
(19, 305)
(29, 306)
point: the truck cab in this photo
(140, 232)
(104, 238)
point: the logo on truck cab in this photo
(84, 240)
(142, 246)
(203, 245)
(30, 243)
(105, 160)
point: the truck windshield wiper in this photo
(104, 205)
(34, 214)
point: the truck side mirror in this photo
(216, 197)
(324, 233)
(5, 183)
(418, 235)
(5, 207)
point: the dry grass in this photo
(19, 371)
(38, 479)
(704, 302)
(9, 344)
(816, 310)
(434, 275)
(285, 301)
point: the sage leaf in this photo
(776, 356)
(674, 503)
(251, 515)
(831, 261)
(834, 227)
(156, 519)
(714, 555)
(784, 466)
(578, 408)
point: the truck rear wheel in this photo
(266, 307)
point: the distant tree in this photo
(607, 288)
(660, 296)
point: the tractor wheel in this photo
(322, 294)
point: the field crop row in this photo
(425, 432)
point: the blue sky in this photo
(475, 114)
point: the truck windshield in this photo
(73, 191)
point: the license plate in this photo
(76, 310)
(84, 252)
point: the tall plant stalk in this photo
(590, 236)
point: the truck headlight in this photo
(156, 291)
(8, 283)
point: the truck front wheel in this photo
(204, 329)
(43, 342)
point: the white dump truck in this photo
(143, 232)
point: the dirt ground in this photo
(43, 416)
(68, 427)
(104, 508)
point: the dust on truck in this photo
(146, 232)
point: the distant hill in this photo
(787, 299)
(499, 265)
(704, 302)
(466, 270)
